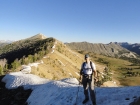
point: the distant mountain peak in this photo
(39, 36)
(6, 41)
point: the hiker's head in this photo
(86, 57)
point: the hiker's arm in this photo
(81, 72)
(94, 70)
(95, 73)
(80, 79)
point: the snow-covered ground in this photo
(64, 92)
(27, 68)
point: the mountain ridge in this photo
(135, 47)
(111, 49)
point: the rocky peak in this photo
(39, 36)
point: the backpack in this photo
(90, 66)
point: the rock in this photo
(136, 101)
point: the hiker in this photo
(88, 69)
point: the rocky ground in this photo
(13, 96)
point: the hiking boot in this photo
(94, 103)
(86, 100)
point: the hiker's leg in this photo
(85, 86)
(92, 92)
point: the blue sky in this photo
(95, 21)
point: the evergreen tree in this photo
(3, 62)
(16, 64)
(30, 58)
(1, 71)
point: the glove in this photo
(95, 79)
(80, 80)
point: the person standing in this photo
(88, 70)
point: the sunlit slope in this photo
(62, 62)
(119, 69)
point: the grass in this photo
(58, 66)
(130, 81)
(119, 68)
(52, 68)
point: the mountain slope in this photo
(132, 47)
(47, 58)
(25, 47)
(111, 49)
(61, 63)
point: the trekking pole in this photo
(94, 103)
(77, 94)
(95, 91)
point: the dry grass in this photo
(130, 81)
(65, 63)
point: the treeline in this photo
(28, 53)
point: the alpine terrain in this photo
(45, 71)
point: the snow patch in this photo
(65, 91)
(28, 81)
(34, 64)
(52, 51)
(46, 57)
(70, 80)
(116, 95)
(41, 61)
(53, 46)
(26, 69)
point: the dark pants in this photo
(89, 83)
